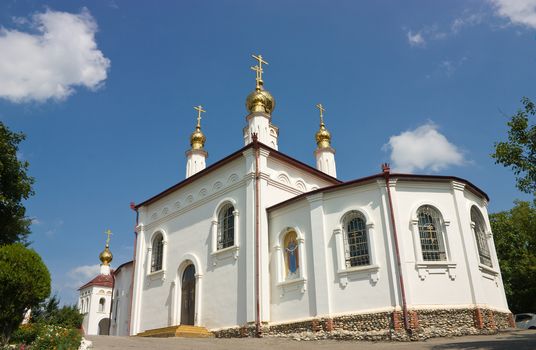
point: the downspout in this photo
(386, 172)
(112, 272)
(257, 237)
(133, 207)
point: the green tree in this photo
(15, 186)
(24, 283)
(50, 312)
(519, 152)
(515, 241)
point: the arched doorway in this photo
(188, 296)
(104, 326)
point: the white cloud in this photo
(424, 149)
(80, 275)
(416, 39)
(521, 12)
(59, 55)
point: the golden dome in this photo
(106, 256)
(260, 100)
(323, 137)
(197, 139)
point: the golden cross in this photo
(108, 233)
(322, 110)
(259, 70)
(199, 110)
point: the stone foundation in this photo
(423, 324)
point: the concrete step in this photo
(185, 331)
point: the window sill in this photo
(156, 275)
(488, 272)
(425, 268)
(286, 286)
(225, 253)
(371, 270)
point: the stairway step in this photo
(185, 331)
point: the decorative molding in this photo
(297, 284)
(165, 211)
(178, 204)
(348, 273)
(425, 268)
(203, 192)
(225, 253)
(232, 179)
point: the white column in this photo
(195, 161)
(325, 161)
(321, 286)
(259, 122)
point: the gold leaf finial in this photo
(322, 110)
(108, 233)
(199, 110)
(258, 69)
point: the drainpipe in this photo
(257, 237)
(133, 207)
(386, 173)
(112, 272)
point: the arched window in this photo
(291, 254)
(431, 234)
(356, 240)
(157, 253)
(102, 304)
(226, 227)
(82, 306)
(479, 227)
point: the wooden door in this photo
(188, 296)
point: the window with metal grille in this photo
(356, 240)
(226, 227)
(480, 235)
(157, 253)
(431, 234)
(102, 303)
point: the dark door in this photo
(188, 296)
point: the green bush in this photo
(52, 337)
(25, 334)
(49, 312)
(24, 283)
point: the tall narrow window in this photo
(291, 251)
(226, 227)
(431, 234)
(157, 253)
(102, 303)
(480, 235)
(356, 240)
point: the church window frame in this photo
(435, 258)
(156, 253)
(345, 241)
(481, 236)
(286, 278)
(225, 223)
(102, 304)
(431, 232)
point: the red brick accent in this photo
(491, 317)
(397, 320)
(413, 320)
(479, 318)
(315, 325)
(329, 325)
(511, 321)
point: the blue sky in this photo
(104, 92)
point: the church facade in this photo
(259, 243)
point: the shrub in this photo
(52, 337)
(24, 283)
(25, 334)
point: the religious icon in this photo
(291, 255)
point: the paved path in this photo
(514, 340)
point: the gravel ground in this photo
(515, 340)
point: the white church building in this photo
(259, 243)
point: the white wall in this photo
(121, 301)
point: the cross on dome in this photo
(199, 110)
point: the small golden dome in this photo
(260, 100)
(106, 256)
(323, 137)
(197, 139)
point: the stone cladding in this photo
(424, 324)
